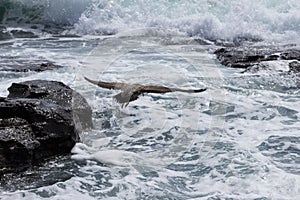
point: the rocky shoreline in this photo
(253, 59)
(42, 119)
(38, 120)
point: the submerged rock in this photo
(4, 35)
(18, 66)
(249, 57)
(244, 57)
(15, 33)
(22, 34)
(39, 119)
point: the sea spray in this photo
(226, 20)
(272, 21)
(43, 12)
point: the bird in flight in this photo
(131, 92)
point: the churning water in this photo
(237, 140)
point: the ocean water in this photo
(237, 140)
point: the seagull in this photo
(131, 92)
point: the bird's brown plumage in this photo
(131, 92)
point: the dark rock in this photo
(6, 35)
(58, 169)
(23, 34)
(290, 54)
(294, 67)
(249, 57)
(23, 67)
(257, 68)
(244, 57)
(39, 119)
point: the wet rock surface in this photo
(15, 33)
(38, 120)
(14, 64)
(50, 172)
(251, 58)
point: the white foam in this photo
(116, 157)
(208, 19)
(274, 21)
(182, 151)
(109, 157)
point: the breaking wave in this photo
(272, 20)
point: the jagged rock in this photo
(250, 57)
(39, 119)
(244, 57)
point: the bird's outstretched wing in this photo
(131, 92)
(108, 85)
(163, 89)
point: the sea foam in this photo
(275, 21)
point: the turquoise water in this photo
(237, 140)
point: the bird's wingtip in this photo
(86, 78)
(201, 90)
(90, 80)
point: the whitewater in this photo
(237, 140)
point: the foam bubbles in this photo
(108, 157)
(226, 20)
(273, 21)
